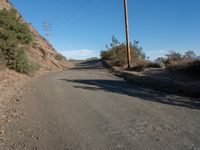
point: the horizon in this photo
(81, 30)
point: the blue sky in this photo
(82, 28)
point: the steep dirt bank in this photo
(160, 80)
(40, 50)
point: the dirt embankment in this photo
(40, 50)
(160, 80)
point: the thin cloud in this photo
(79, 54)
(157, 52)
(154, 54)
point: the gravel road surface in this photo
(87, 108)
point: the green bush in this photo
(23, 63)
(116, 54)
(10, 22)
(14, 35)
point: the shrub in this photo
(161, 61)
(105, 55)
(173, 57)
(93, 59)
(189, 55)
(153, 65)
(14, 34)
(142, 65)
(60, 57)
(20, 61)
(23, 63)
(188, 68)
(116, 54)
(10, 22)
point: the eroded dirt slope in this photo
(40, 50)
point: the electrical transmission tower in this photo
(47, 29)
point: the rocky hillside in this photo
(40, 50)
(5, 4)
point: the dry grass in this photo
(142, 65)
(189, 68)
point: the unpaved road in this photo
(86, 108)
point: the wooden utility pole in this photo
(127, 34)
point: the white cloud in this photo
(79, 54)
(157, 52)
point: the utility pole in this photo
(127, 34)
(47, 29)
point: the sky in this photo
(80, 29)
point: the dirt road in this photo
(87, 108)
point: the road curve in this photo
(87, 108)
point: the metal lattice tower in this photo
(47, 29)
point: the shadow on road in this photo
(125, 88)
(93, 64)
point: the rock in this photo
(17, 100)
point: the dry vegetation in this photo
(174, 73)
(182, 64)
(116, 53)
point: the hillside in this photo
(36, 51)
(40, 51)
(21, 49)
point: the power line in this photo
(74, 13)
(98, 6)
(89, 12)
(61, 13)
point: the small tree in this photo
(117, 53)
(173, 57)
(115, 42)
(189, 55)
(161, 61)
(137, 52)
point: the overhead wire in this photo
(74, 13)
(88, 13)
(61, 13)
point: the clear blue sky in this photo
(82, 28)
